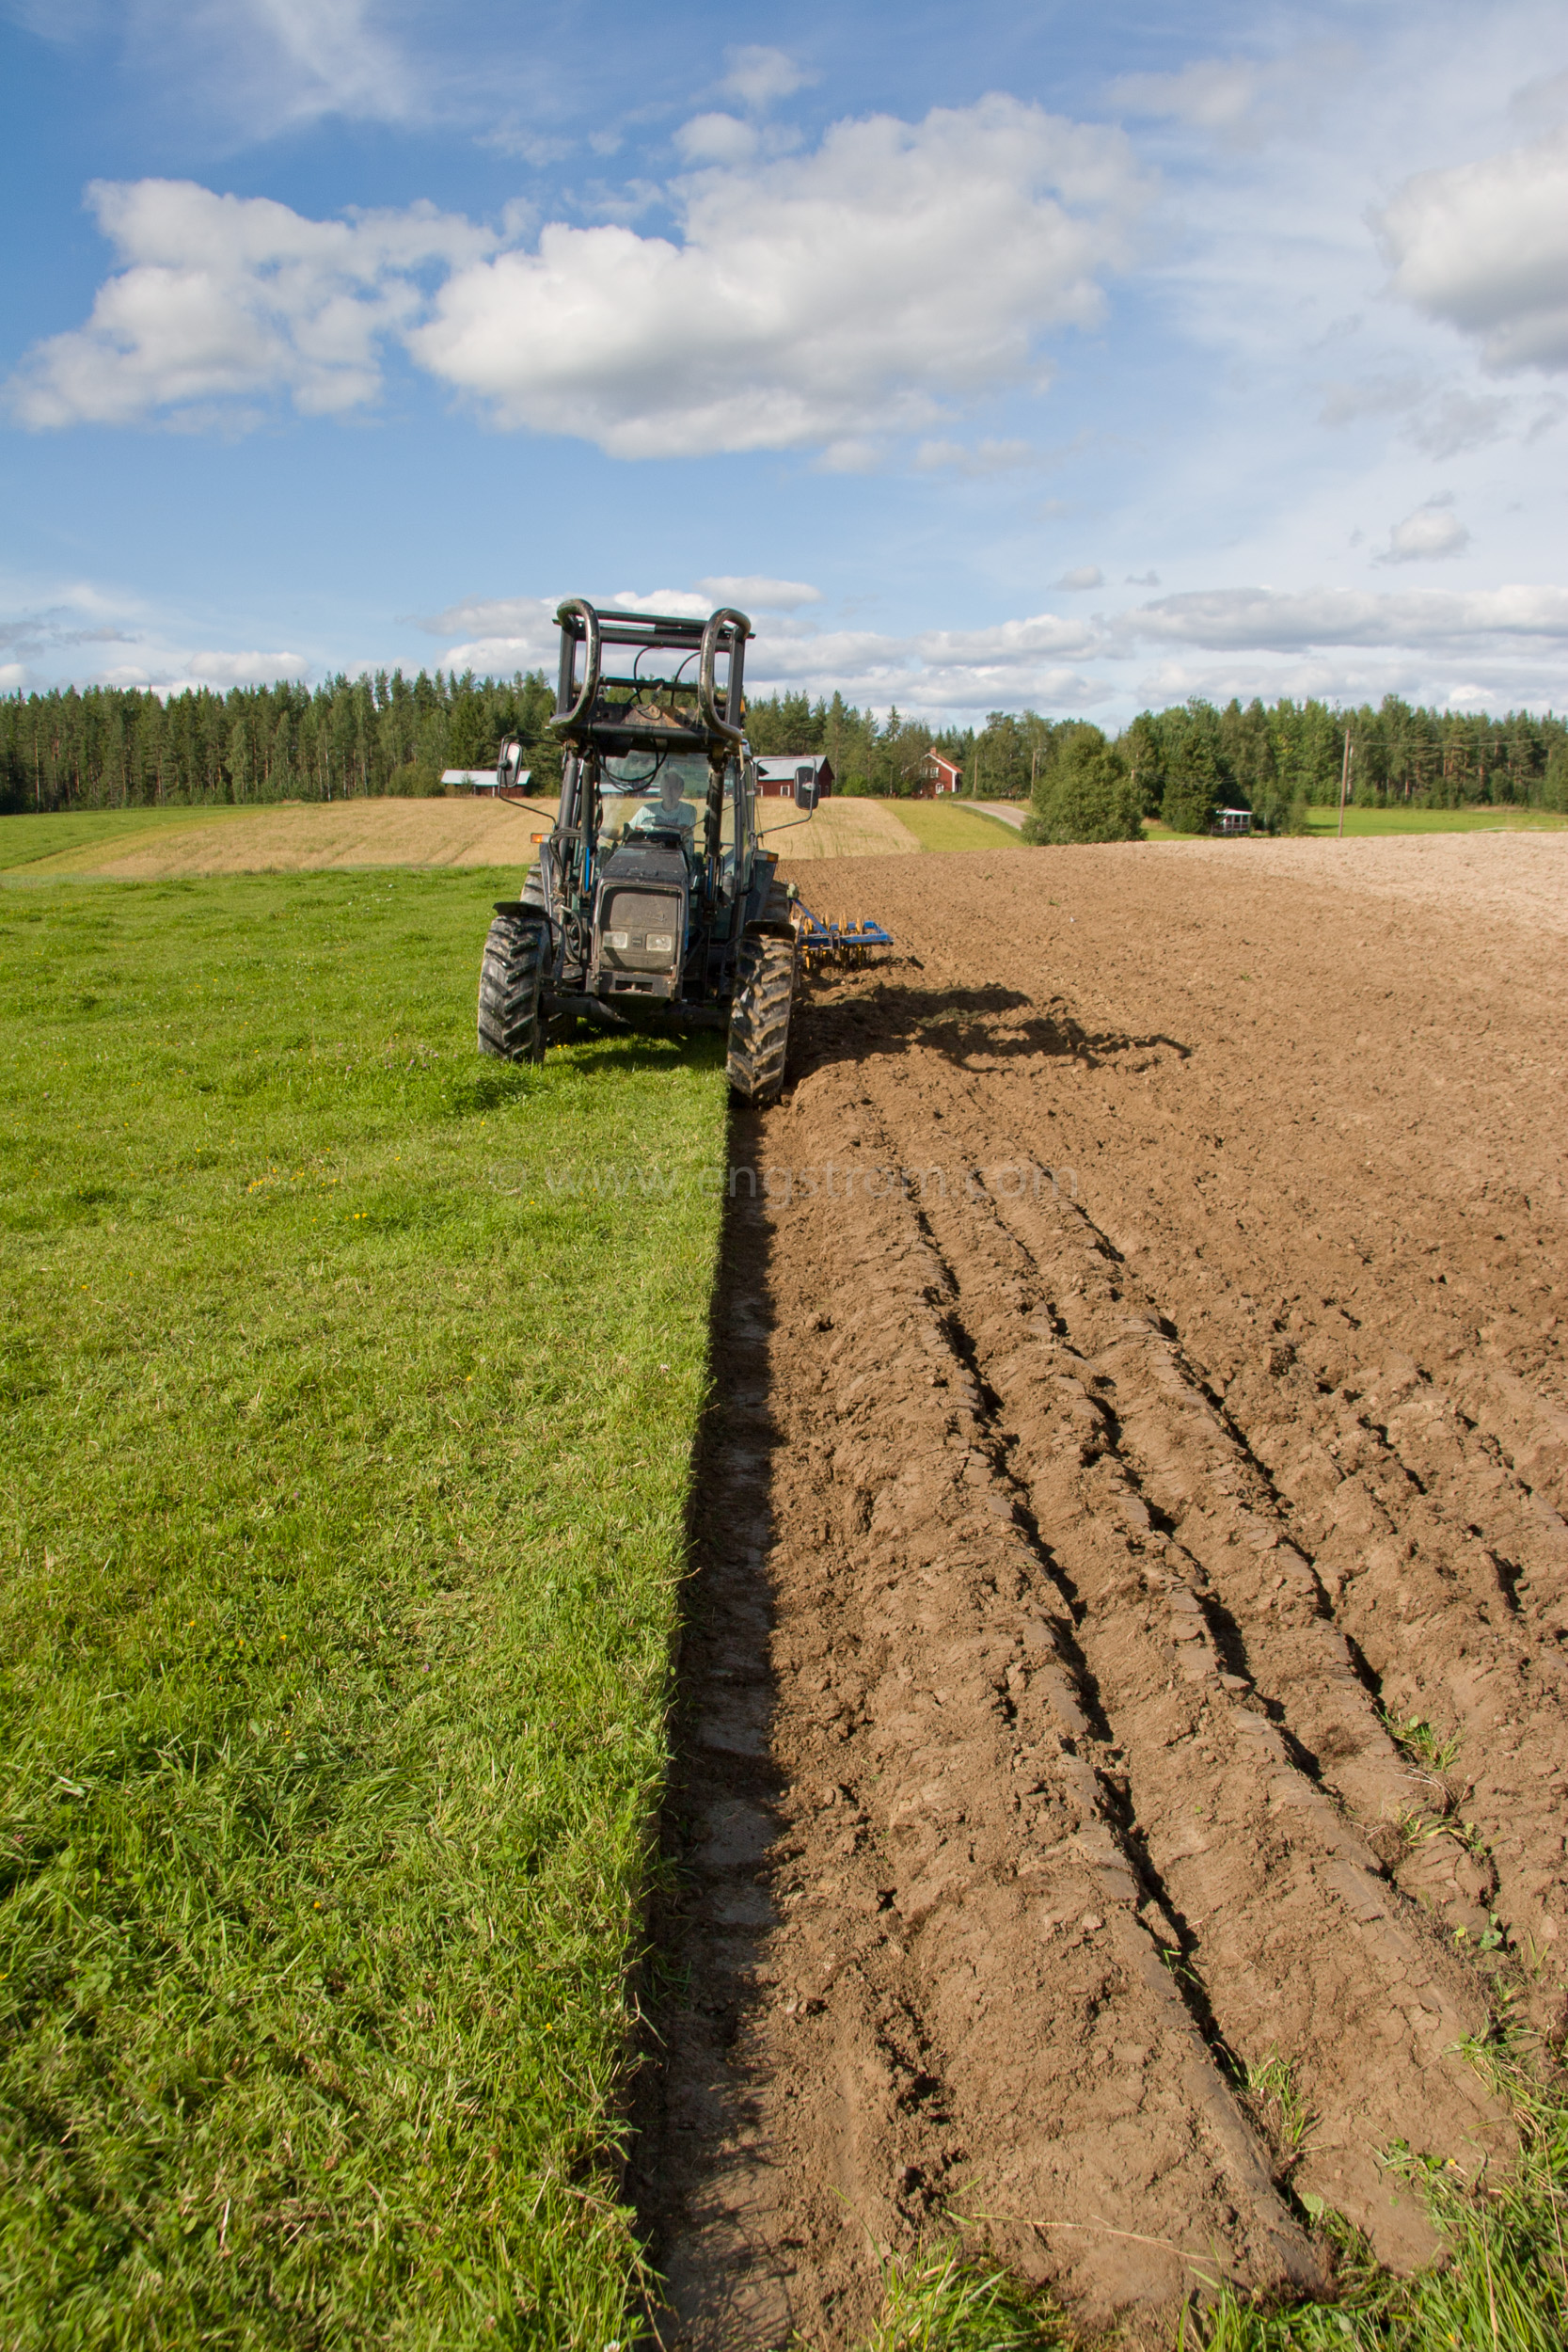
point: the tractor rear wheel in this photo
(759, 1016)
(511, 979)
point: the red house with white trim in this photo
(935, 776)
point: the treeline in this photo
(122, 747)
(111, 747)
(1275, 759)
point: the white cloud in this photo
(261, 67)
(244, 669)
(758, 77)
(13, 677)
(229, 297)
(1275, 621)
(757, 590)
(1485, 247)
(816, 301)
(680, 602)
(811, 301)
(1434, 530)
(1087, 576)
(333, 56)
(1238, 101)
(717, 140)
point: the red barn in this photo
(777, 777)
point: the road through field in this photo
(1122, 1750)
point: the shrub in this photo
(1085, 793)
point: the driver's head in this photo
(670, 787)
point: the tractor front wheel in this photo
(511, 980)
(759, 1016)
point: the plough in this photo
(836, 942)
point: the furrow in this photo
(1023, 1922)
(1449, 1575)
(1293, 1940)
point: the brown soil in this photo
(1071, 1542)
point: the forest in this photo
(111, 747)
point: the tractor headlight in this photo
(659, 943)
(617, 940)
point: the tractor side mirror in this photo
(511, 775)
(805, 789)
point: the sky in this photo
(1004, 356)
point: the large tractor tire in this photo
(759, 1016)
(511, 979)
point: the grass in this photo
(943, 825)
(339, 1562)
(1376, 822)
(1366, 824)
(942, 2303)
(1423, 1742)
(1271, 2084)
(1503, 2285)
(76, 833)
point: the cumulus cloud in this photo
(811, 301)
(1485, 247)
(1434, 530)
(1087, 576)
(226, 299)
(816, 301)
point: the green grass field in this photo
(945, 825)
(1373, 821)
(348, 1453)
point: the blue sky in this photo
(997, 356)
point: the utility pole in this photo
(1344, 783)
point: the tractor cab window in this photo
(655, 792)
(667, 792)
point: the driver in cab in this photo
(671, 813)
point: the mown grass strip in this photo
(948, 825)
(348, 1448)
(69, 837)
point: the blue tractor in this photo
(652, 903)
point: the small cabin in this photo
(1232, 820)
(476, 780)
(935, 776)
(778, 775)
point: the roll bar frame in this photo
(583, 718)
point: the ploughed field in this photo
(1122, 1762)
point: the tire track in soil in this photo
(1034, 1777)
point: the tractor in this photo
(653, 904)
